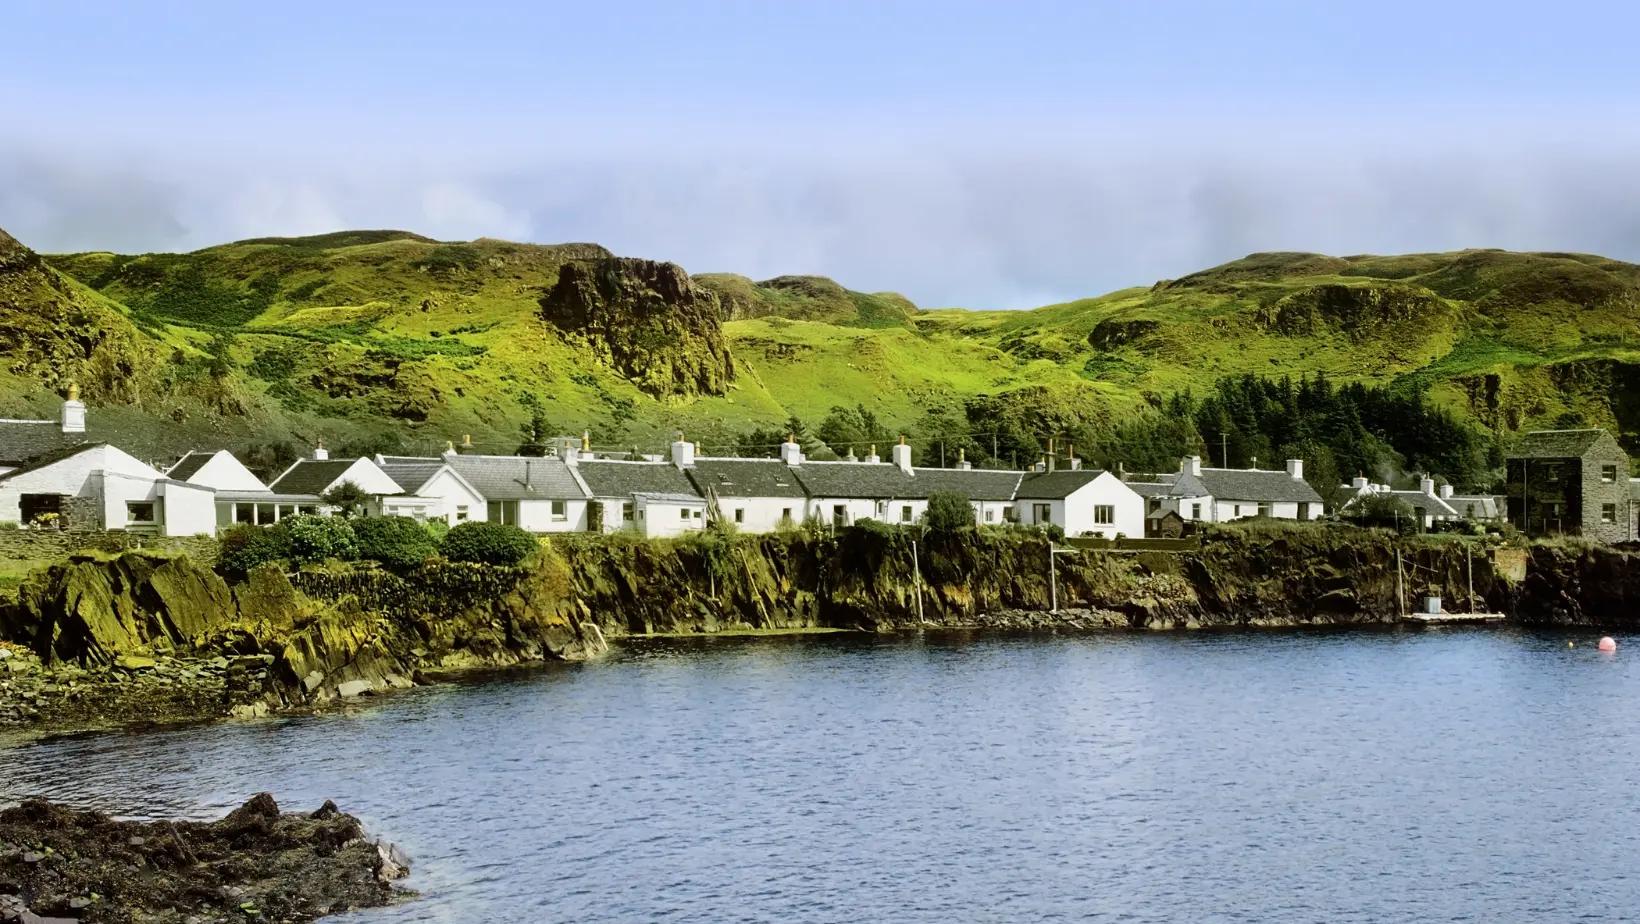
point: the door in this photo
(1042, 514)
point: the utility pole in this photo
(916, 571)
(1053, 581)
(1224, 450)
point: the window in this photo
(1263, 510)
(139, 511)
(740, 514)
(905, 514)
(1009, 514)
(1608, 473)
(461, 513)
(785, 514)
(626, 513)
(1303, 511)
(308, 510)
(503, 512)
(1104, 514)
(1238, 510)
(1195, 511)
(1551, 471)
(558, 512)
(1041, 513)
(882, 508)
(1153, 505)
(1608, 513)
(990, 515)
(684, 511)
(699, 513)
(839, 514)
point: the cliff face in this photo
(648, 321)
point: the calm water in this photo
(1447, 775)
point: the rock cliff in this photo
(647, 320)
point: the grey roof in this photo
(189, 465)
(50, 458)
(311, 476)
(1150, 488)
(501, 478)
(886, 480)
(411, 474)
(668, 497)
(1246, 484)
(1556, 444)
(1056, 485)
(1431, 504)
(745, 478)
(975, 483)
(1486, 504)
(1162, 513)
(22, 440)
(619, 479)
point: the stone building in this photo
(1570, 482)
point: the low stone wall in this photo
(52, 545)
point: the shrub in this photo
(397, 542)
(315, 538)
(246, 546)
(948, 512)
(488, 543)
(346, 497)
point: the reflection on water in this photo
(1454, 775)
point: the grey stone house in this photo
(1570, 482)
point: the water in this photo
(1443, 775)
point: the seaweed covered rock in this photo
(258, 863)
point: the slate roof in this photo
(311, 476)
(22, 440)
(1150, 488)
(502, 478)
(667, 497)
(1055, 485)
(619, 479)
(1162, 513)
(189, 465)
(1486, 505)
(411, 474)
(746, 478)
(1246, 484)
(976, 483)
(51, 458)
(1556, 444)
(1431, 505)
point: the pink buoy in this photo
(1608, 644)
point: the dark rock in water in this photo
(258, 863)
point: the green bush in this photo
(397, 542)
(948, 511)
(245, 546)
(488, 543)
(315, 538)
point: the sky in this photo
(980, 155)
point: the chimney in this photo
(320, 453)
(1053, 461)
(1446, 491)
(586, 444)
(1359, 482)
(851, 457)
(874, 458)
(790, 452)
(529, 484)
(1252, 464)
(73, 411)
(902, 456)
(449, 447)
(1070, 457)
(1121, 471)
(1427, 485)
(962, 460)
(683, 453)
(1190, 465)
(568, 451)
(1295, 468)
(1041, 465)
(467, 443)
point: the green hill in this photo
(387, 336)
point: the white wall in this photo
(536, 516)
(856, 509)
(367, 475)
(188, 509)
(226, 473)
(656, 518)
(1080, 514)
(1227, 510)
(446, 493)
(760, 514)
(83, 475)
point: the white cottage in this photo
(98, 487)
(614, 486)
(1218, 495)
(307, 480)
(539, 494)
(1082, 502)
(433, 490)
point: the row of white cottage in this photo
(94, 486)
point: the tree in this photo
(537, 427)
(347, 497)
(948, 511)
(315, 538)
(482, 542)
(397, 542)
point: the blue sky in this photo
(982, 155)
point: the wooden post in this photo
(1400, 587)
(1469, 569)
(916, 571)
(1053, 581)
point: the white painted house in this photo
(1082, 502)
(614, 486)
(310, 479)
(241, 497)
(1219, 495)
(432, 490)
(539, 494)
(1427, 505)
(99, 487)
(662, 514)
(756, 495)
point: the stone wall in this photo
(51, 545)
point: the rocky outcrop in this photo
(647, 320)
(257, 864)
(805, 298)
(1359, 312)
(1575, 585)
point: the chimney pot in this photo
(1446, 491)
(683, 453)
(320, 453)
(1295, 468)
(902, 456)
(73, 414)
(1427, 485)
(791, 452)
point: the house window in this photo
(882, 508)
(1303, 511)
(684, 511)
(308, 510)
(461, 513)
(785, 514)
(1041, 513)
(1153, 505)
(503, 512)
(1608, 473)
(1237, 508)
(839, 514)
(1009, 514)
(1263, 510)
(626, 513)
(1608, 513)
(139, 511)
(990, 515)
(1104, 514)
(558, 512)
(905, 514)
(1195, 511)
(740, 514)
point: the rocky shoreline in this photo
(59, 865)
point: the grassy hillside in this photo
(388, 335)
